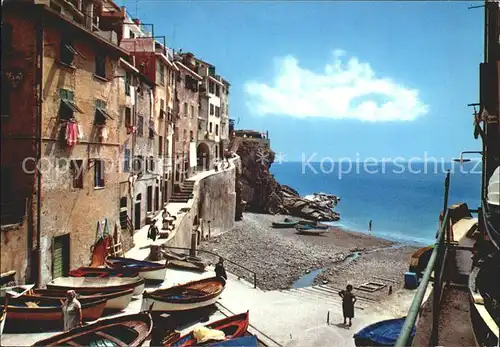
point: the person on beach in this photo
(219, 269)
(348, 301)
(370, 225)
(72, 311)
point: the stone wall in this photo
(13, 241)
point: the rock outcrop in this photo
(260, 192)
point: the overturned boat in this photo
(89, 285)
(129, 330)
(87, 271)
(185, 297)
(310, 229)
(383, 333)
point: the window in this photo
(176, 132)
(217, 90)
(185, 109)
(128, 83)
(101, 115)
(100, 65)
(160, 145)
(191, 137)
(128, 116)
(216, 129)
(192, 112)
(211, 87)
(77, 173)
(67, 54)
(6, 38)
(126, 160)
(162, 74)
(138, 163)
(99, 173)
(132, 35)
(217, 111)
(210, 127)
(189, 111)
(150, 164)
(140, 125)
(68, 105)
(184, 137)
(211, 109)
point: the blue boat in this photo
(245, 341)
(383, 333)
(312, 229)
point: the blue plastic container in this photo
(411, 280)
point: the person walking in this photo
(370, 225)
(348, 301)
(219, 269)
(72, 311)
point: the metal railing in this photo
(437, 264)
(254, 274)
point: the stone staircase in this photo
(329, 294)
(184, 193)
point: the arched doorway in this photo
(203, 155)
(137, 212)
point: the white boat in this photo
(184, 297)
(89, 285)
(3, 318)
(13, 292)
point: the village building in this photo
(224, 116)
(186, 131)
(61, 102)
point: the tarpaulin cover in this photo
(383, 333)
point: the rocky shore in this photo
(280, 256)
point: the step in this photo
(179, 200)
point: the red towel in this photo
(71, 133)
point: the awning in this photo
(71, 105)
(104, 113)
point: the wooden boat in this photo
(89, 285)
(48, 310)
(419, 259)
(285, 224)
(16, 290)
(187, 265)
(185, 297)
(168, 254)
(233, 327)
(129, 330)
(309, 229)
(383, 333)
(245, 341)
(87, 271)
(118, 300)
(3, 316)
(146, 269)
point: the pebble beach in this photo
(280, 257)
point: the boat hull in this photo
(115, 330)
(154, 275)
(90, 285)
(284, 225)
(3, 317)
(162, 306)
(186, 265)
(86, 271)
(148, 270)
(116, 301)
(383, 333)
(311, 232)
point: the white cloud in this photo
(342, 91)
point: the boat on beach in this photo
(383, 333)
(233, 327)
(183, 262)
(309, 229)
(185, 297)
(148, 270)
(130, 330)
(118, 300)
(90, 285)
(47, 310)
(285, 224)
(87, 271)
(3, 316)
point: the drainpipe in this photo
(39, 100)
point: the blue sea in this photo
(403, 200)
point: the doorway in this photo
(60, 256)
(149, 199)
(157, 198)
(137, 212)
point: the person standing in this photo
(72, 311)
(219, 269)
(348, 301)
(370, 225)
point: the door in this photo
(137, 215)
(60, 256)
(149, 199)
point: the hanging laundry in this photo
(104, 133)
(71, 133)
(80, 132)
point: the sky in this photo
(338, 79)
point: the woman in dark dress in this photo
(348, 301)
